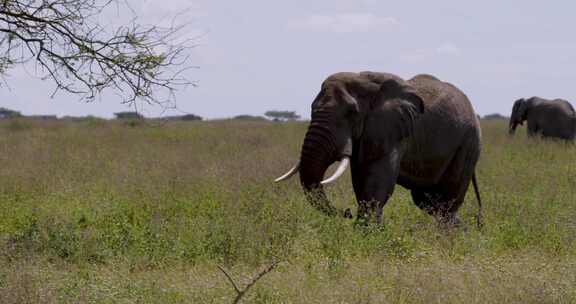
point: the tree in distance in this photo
(82, 56)
(128, 115)
(495, 116)
(282, 115)
(185, 117)
(7, 113)
(249, 117)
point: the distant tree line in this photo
(7, 113)
(127, 115)
(250, 117)
(274, 115)
(187, 117)
(282, 115)
(495, 116)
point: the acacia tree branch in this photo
(229, 279)
(83, 57)
(241, 292)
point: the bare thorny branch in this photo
(81, 56)
(241, 292)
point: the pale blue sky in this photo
(255, 56)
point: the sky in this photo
(258, 55)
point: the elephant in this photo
(547, 118)
(421, 133)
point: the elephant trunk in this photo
(318, 153)
(512, 126)
(513, 123)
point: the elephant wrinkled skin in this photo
(422, 134)
(547, 118)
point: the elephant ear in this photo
(405, 101)
(403, 93)
(350, 101)
(393, 111)
(395, 108)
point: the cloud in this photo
(416, 55)
(445, 50)
(448, 48)
(344, 23)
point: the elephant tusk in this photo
(341, 168)
(289, 174)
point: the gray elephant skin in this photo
(547, 118)
(421, 133)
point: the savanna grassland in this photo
(109, 212)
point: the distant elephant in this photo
(548, 118)
(421, 134)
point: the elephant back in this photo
(443, 98)
(429, 88)
(569, 105)
(423, 77)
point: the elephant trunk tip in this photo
(511, 128)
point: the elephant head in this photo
(356, 117)
(518, 115)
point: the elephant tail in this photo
(479, 214)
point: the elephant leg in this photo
(457, 178)
(374, 184)
(445, 198)
(427, 200)
(533, 129)
(440, 204)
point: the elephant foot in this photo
(450, 221)
(368, 221)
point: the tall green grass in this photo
(111, 213)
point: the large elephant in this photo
(548, 118)
(422, 134)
